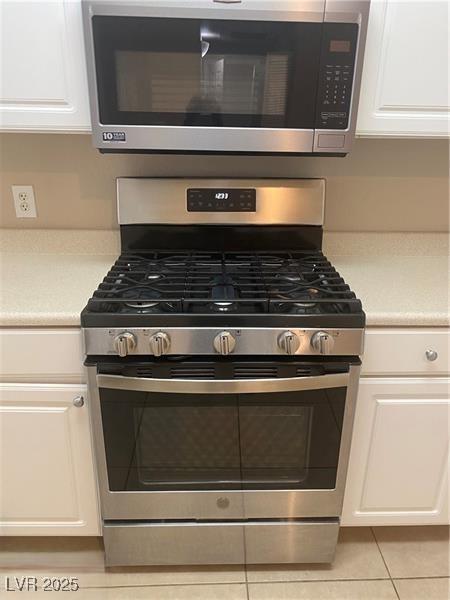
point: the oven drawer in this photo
(254, 542)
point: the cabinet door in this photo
(398, 471)
(43, 86)
(46, 466)
(405, 84)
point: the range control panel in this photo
(337, 66)
(221, 200)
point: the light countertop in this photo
(48, 276)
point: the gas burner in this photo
(142, 300)
(223, 306)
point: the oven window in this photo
(170, 441)
(160, 71)
(199, 442)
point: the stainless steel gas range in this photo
(223, 356)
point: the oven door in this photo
(222, 449)
(207, 77)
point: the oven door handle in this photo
(222, 386)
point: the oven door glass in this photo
(200, 72)
(176, 441)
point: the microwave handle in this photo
(222, 386)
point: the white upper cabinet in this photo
(405, 89)
(43, 84)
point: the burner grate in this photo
(231, 282)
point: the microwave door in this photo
(175, 84)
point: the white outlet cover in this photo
(24, 202)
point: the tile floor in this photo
(383, 563)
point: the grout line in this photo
(395, 589)
(385, 563)
(247, 590)
(161, 585)
(425, 577)
(264, 581)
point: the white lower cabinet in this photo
(399, 461)
(47, 478)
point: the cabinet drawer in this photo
(41, 355)
(404, 352)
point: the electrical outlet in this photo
(24, 201)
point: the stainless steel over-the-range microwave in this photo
(227, 76)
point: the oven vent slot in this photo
(192, 373)
(144, 372)
(302, 372)
(261, 372)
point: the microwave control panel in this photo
(337, 66)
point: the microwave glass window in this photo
(159, 71)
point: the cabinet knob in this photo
(78, 401)
(431, 355)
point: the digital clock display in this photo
(220, 200)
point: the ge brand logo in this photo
(223, 503)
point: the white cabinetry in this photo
(43, 85)
(46, 468)
(405, 79)
(399, 465)
(399, 459)
(47, 476)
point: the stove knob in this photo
(124, 343)
(159, 343)
(322, 342)
(289, 342)
(224, 343)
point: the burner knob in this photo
(159, 343)
(124, 343)
(322, 342)
(289, 342)
(224, 343)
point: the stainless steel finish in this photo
(346, 11)
(290, 542)
(322, 342)
(78, 401)
(431, 355)
(250, 341)
(255, 10)
(289, 342)
(251, 504)
(221, 139)
(124, 343)
(221, 386)
(224, 343)
(173, 544)
(278, 201)
(260, 542)
(159, 343)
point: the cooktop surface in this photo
(195, 288)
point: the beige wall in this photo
(396, 185)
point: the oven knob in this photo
(289, 342)
(159, 343)
(124, 343)
(322, 342)
(224, 343)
